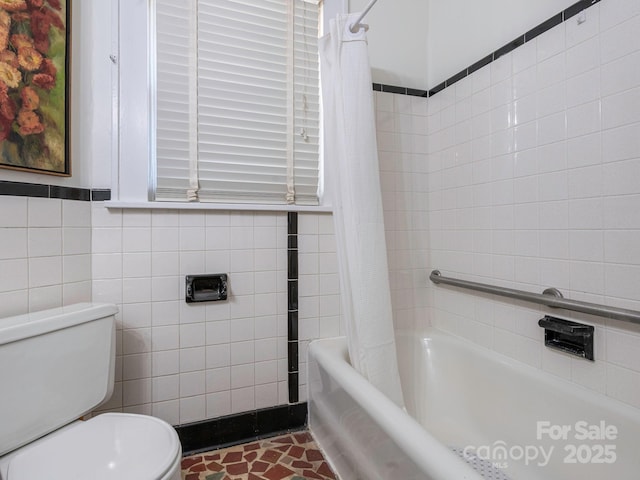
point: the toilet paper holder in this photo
(206, 288)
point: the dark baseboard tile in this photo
(241, 428)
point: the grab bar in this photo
(551, 297)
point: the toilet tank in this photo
(55, 366)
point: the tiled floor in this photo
(293, 456)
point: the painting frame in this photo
(35, 78)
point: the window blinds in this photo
(237, 101)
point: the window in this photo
(236, 101)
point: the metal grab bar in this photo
(551, 298)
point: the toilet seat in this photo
(111, 446)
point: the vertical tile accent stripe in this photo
(292, 306)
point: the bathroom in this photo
(531, 191)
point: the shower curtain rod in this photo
(357, 26)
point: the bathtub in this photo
(471, 414)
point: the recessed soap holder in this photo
(206, 288)
(567, 336)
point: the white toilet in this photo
(56, 366)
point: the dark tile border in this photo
(39, 190)
(512, 45)
(17, 189)
(548, 24)
(416, 93)
(394, 89)
(437, 88)
(66, 193)
(480, 63)
(100, 195)
(380, 87)
(543, 27)
(245, 427)
(292, 307)
(576, 8)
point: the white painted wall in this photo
(420, 43)
(397, 41)
(461, 32)
(96, 125)
(90, 101)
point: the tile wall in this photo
(180, 362)
(533, 171)
(190, 362)
(318, 286)
(45, 260)
(186, 363)
(402, 147)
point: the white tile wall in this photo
(318, 286)
(191, 362)
(402, 145)
(46, 253)
(552, 198)
(180, 362)
(186, 363)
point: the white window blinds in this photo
(237, 101)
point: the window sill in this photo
(217, 206)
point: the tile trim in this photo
(40, 190)
(100, 195)
(293, 377)
(380, 87)
(543, 27)
(241, 428)
(548, 24)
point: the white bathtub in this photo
(474, 414)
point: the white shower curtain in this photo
(352, 157)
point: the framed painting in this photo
(34, 85)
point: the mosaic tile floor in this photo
(292, 456)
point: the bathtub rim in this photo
(332, 354)
(411, 437)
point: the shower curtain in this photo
(352, 157)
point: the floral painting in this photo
(33, 85)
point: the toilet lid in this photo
(111, 446)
